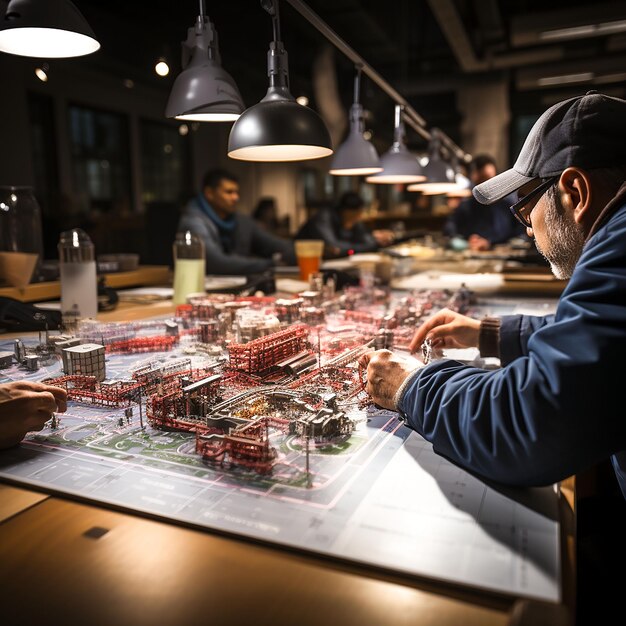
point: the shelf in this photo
(143, 275)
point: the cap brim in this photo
(500, 186)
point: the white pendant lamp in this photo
(50, 29)
(399, 165)
(356, 156)
(278, 128)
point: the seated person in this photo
(265, 214)
(233, 242)
(342, 228)
(483, 226)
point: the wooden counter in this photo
(64, 562)
(143, 275)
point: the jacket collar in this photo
(618, 200)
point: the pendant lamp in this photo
(204, 91)
(278, 128)
(399, 165)
(51, 29)
(440, 174)
(356, 156)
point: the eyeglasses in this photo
(520, 208)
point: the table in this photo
(69, 562)
(63, 560)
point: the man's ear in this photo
(576, 194)
(208, 193)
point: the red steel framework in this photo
(138, 345)
(263, 353)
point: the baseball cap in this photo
(586, 131)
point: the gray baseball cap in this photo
(586, 131)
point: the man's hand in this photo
(447, 329)
(384, 237)
(385, 373)
(27, 406)
(478, 243)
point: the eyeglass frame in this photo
(537, 192)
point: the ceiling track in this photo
(410, 115)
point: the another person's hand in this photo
(478, 243)
(386, 371)
(383, 237)
(27, 406)
(447, 329)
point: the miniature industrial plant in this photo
(240, 374)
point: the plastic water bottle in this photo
(79, 285)
(188, 266)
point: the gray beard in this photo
(566, 237)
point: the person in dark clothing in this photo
(342, 228)
(481, 225)
(233, 242)
(555, 407)
(265, 214)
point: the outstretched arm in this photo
(27, 406)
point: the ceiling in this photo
(426, 49)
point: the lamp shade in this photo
(278, 128)
(355, 156)
(204, 91)
(50, 29)
(440, 178)
(399, 166)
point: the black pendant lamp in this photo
(278, 128)
(49, 29)
(203, 91)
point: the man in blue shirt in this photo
(556, 407)
(481, 225)
(233, 242)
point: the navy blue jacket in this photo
(556, 406)
(494, 222)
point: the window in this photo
(46, 173)
(99, 146)
(165, 167)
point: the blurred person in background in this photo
(233, 242)
(343, 230)
(483, 226)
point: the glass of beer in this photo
(309, 255)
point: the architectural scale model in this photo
(279, 375)
(249, 415)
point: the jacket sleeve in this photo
(265, 244)
(218, 261)
(363, 240)
(552, 412)
(321, 227)
(515, 332)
